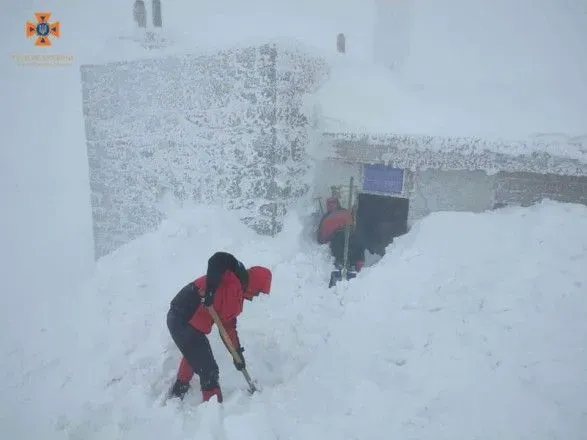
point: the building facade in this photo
(400, 180)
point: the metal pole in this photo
(347, 232)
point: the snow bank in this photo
(472, 326)
(96, 361)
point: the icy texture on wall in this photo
(464, 173)
(547, 155)
(223, 128)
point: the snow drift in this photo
(472, 326)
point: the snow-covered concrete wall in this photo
(556, 154)
(525, 189)
(450, 190)
(456, 174)
(220, 128)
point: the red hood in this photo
(259, 281)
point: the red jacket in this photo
(332, 222)
(228, 303)
(231, 284)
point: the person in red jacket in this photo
(226, 285)
(331, 230)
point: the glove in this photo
(237, 365)
(208, 298)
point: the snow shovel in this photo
(235, 355)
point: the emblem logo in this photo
(43, 30)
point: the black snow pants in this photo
(356, 248)
(195, 347)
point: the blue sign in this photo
(382, 178)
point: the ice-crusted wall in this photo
(555, 154)
(220, 128)
(469, 174)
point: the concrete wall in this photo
(564, 156)
(450, 190)
(527, 188)
(222, 128)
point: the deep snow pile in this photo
(471, 327)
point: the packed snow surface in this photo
(472, 326)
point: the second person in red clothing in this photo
(226, 285)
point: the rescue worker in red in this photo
(332, 230)
(226, 285)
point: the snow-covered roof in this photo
(439, 152)
(367, 107)
(461, 83)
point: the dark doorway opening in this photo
(380, 219)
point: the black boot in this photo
(335, 276)
(351, 273)
(179, 389)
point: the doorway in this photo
(380, 219)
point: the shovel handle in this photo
(231, 348)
